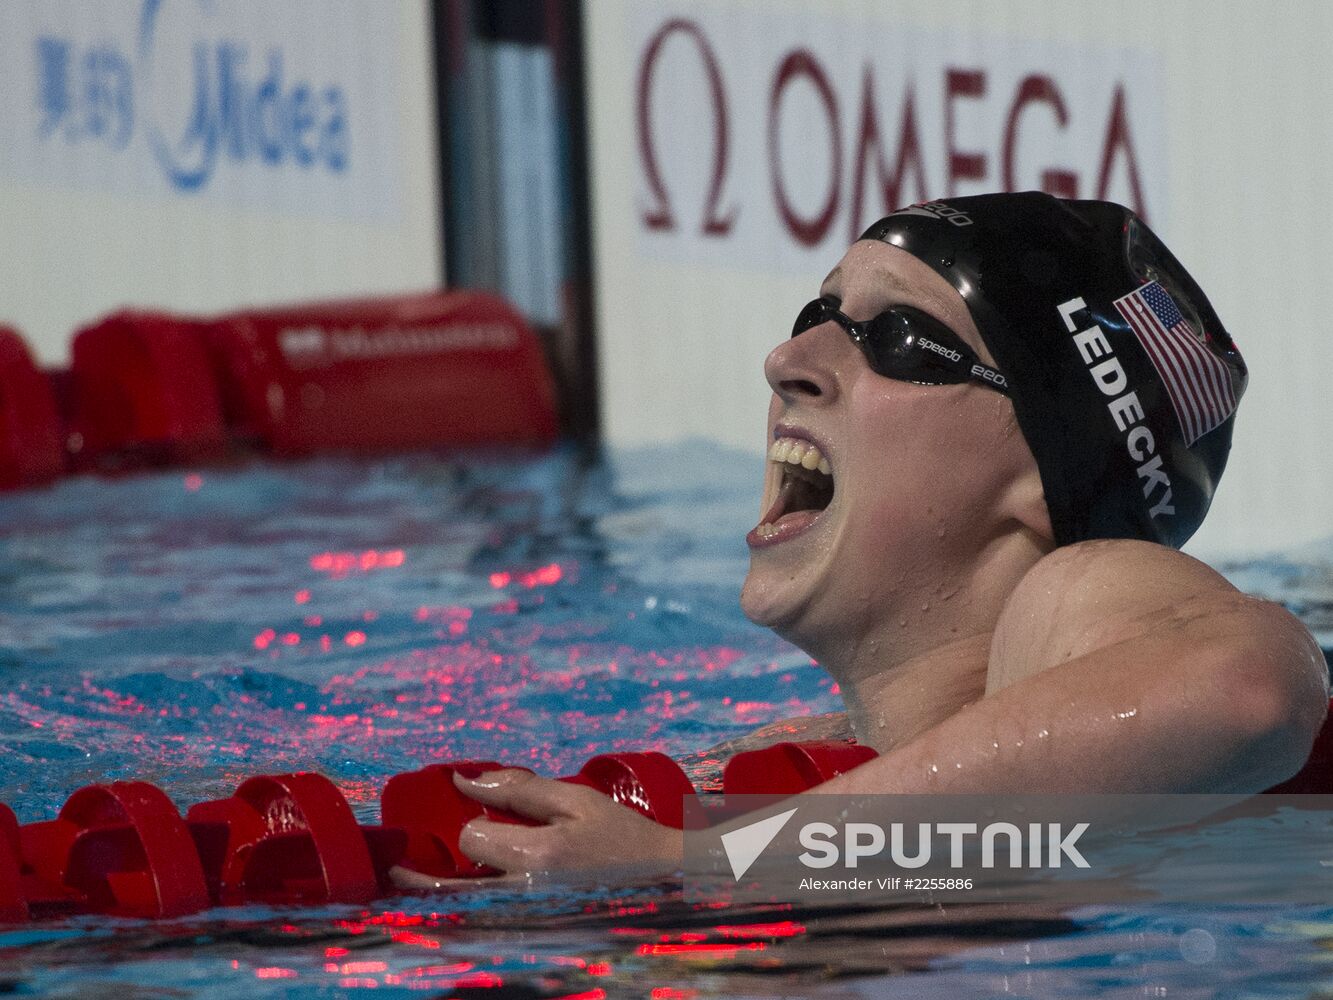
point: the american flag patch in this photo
(1198, 382)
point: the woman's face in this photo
(917, 475)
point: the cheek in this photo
(928, 461)
(897, 433)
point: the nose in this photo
(807, 366)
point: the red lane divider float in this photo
(287, 838)
(120, 848)
(13, 902)
(788, 768)
(31, 450)
(445, 369)
(123, 848)
(452, 369)
(142, 391)
(650, 783)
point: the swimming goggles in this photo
(906, 344)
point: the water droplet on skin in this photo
(1043, 734)
(1019, 743)
(925, 605)
(1127, 715)
(934, 769)
(995, 744)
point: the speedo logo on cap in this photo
(1108, 374)
(936, 210)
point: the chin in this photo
(763, 602)
(777, 600)
(758, 603)
(790, 616)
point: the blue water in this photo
(366, 618)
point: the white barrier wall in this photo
(200, 155)
(739, 146)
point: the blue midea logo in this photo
(219, 99)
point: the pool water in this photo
(365, 618)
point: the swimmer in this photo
(988, 436)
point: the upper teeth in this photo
(797, 451)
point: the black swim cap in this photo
(1123, 379)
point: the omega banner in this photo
(739, 148)
(778, 139)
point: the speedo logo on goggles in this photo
(939, 349)
(978, 370)
(906, 344)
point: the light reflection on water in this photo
(362, 619)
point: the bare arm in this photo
(1125, 667)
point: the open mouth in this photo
(797, 488)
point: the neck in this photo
(890, 706)
(925, 653)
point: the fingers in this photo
(509, 847)
(583, 829)
(616, 840)
(525, 793)
(406, 878)
(414, 881)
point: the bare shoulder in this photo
(1085, 597)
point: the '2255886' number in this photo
(934, 884)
